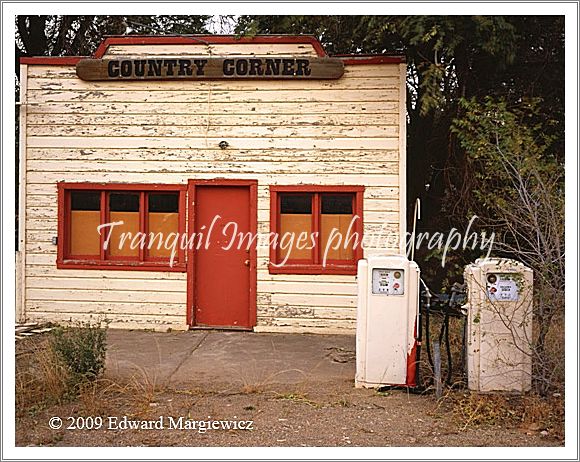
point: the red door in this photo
(224, 271)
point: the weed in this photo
(528, 412)
(252, 388)
(299, 398)
(81, 349)
(55, 368)
(343, 402)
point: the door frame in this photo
(192, 184)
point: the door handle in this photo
(247, 262)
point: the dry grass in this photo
(136, 396)
(555, 353)
(298, 397)
(256, 380)
(529, 413)
(41, 379)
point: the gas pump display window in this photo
(502, 287)
(388, 281)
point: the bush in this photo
(81, 349)
(518, 191)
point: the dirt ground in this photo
(305, 416)
(307, 411)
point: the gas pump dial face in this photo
(388, 281)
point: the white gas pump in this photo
(388, 309)
(499, 325)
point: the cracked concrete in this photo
(230, 359)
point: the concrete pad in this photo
(152, 355)
(244, 359)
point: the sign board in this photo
(197, 68)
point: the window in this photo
(141, 224)
(315, 229)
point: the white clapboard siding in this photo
(181, 167)
(213, 120)
(214, 155)
(306, 325)
(212, 131)
(117, 320)
(112, 296)
(385, 82)
(51, 272)
(201, 49)
(93, 307)
(307, 299)
(203, 142)
(235, 108)
(310, 287)
(200, 98)
(99, 283)
(179, 178)
(333, 132)
(272, 311)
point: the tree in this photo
(81, 35)
(519, 190)
(45, 35)
(448, 58)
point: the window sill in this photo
(313, 269)
(120, 266)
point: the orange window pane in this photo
(162, 220)
(85, 217)
(124, 207)
(335, 220)
(295, 227)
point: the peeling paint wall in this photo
(339, 132)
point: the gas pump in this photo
(499, 325)
(387, 321)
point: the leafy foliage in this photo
(515, 58)
(82, 350)
(485, 107)
(81, 35)
(518, 186)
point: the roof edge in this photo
(207, 40)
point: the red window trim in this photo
(65, 261)
(316, 268)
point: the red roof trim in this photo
(51, 60)
(210, 40)
(206, 39)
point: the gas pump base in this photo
(387, 315)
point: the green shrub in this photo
(81, 349)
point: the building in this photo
(180, 136)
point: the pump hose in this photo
(428, 338)
(445, 332)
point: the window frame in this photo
(141, 263)
(315, 267)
